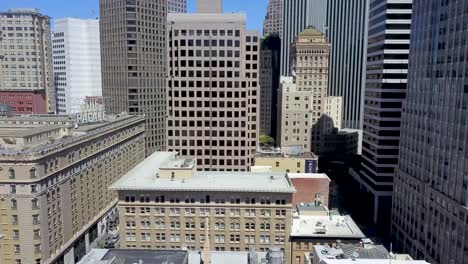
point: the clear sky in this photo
(255, 9)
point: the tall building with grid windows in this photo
(430, 201)
(387, 68)
(133, 62)
(213, 89)
(77, 62)
(273, 23)
(177, 6)
(26, 76)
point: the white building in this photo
(77, 62)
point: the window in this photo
(14, 219)
(15, 234)
(277, 164)
(12, 189)
(17, 250)
(32, 172)
(14, 204)
(12, 173)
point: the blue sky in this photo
(255, 9)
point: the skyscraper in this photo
(213, 88)
(307, 114)
(387, 67)
(26, 75)
(295, 15)
(345, 26)
(77, 62)
(273, 23)
(430, 203)
(133, 52)
(177, 6)
(269, 83)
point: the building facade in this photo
(287, 162)
(273, 23)
(180, 207)
(25, 52)
(308, 115)
(54, 178)
(295, 20)
(269, 84)
(213, 90)
(134, 68)
(314, 224)
(387, 68)
(77, 62)
(177, 6)
(430, 202)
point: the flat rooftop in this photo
(151, 256)
(275, 153)
(144, 177)
(207, 18)
(365, 253)
(330, 226)
(308, 176)
(130, 256)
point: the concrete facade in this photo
(273, 22)
(308, 115)
(238, 210)
(134, 68)
(54, 178)
(213, 90)
(177, 6)
(77, 62)
(26, 56)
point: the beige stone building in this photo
(314, 224)
(26, 75)
(54, 176)
(164, 203)
(307, 114)
(213, 89)
(287, 162)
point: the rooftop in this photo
(308, 175)
(325, 226)
(145, 176)
(286, 153)
(117, 256)
(365, 253)
(207, 17)
(311, 31)
(151, 256)
(39, 134)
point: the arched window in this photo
(249, 226)
(32, 172)
(130, 224)
(145, 224)
(190, 224)
(175, 225)
(160, 224)
(12, 173)
(235, 226)
(220, 225)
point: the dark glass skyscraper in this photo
(430, 203)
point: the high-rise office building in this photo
(134, 58)
(213, 89)
(269, 83)
(430, 202)
(307, 113)
(387, 67)
(273, 23)
(77, 62)
(345, 26)
(295, 20)
(177, 6)
(26, 75)
(55, 178)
